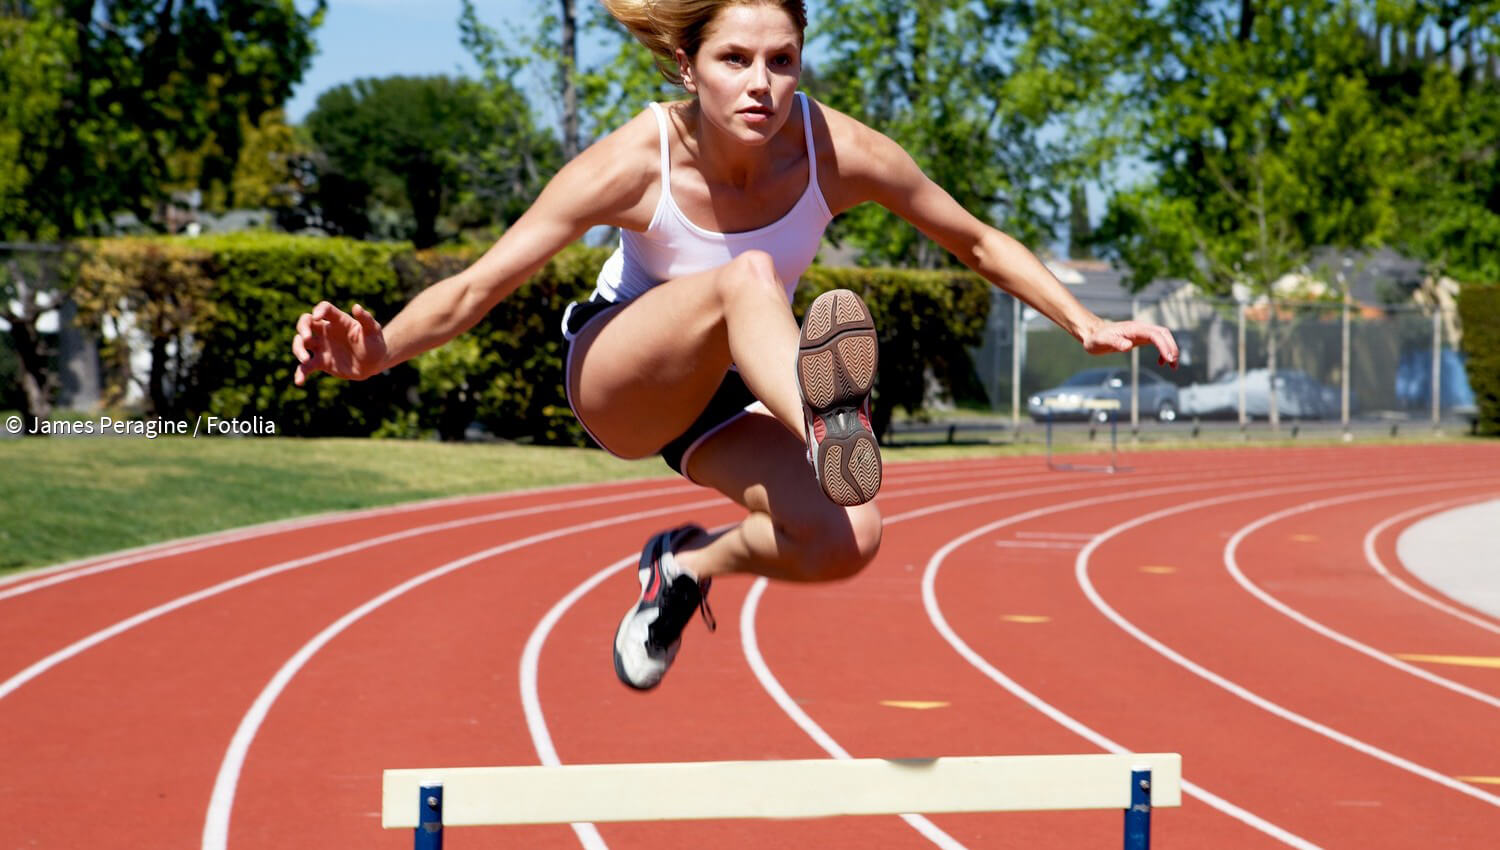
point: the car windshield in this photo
(1087, 378)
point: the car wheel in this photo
(1166, 412)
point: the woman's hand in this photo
(344, 345)
(1111, 337)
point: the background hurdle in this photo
(1108, 407)
(429, 800)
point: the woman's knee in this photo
(845, 544)
(753, 270)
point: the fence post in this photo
(429, 831)
(1344, 366)
(1437, 364)
(1138, 816)
(1135, 373)
(1017, 339)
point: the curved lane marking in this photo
(216, 824)
(751, 647)
(1374, 560)
(10, 685)
(1067, 721)
(1231, 563)
(772, 686)
(1081, 575)
(536, 720)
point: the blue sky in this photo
(378, 38)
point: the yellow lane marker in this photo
(1026, 618)
(1159, 571)
(1456, 660)
(914, 704)
(1305, 538)
(1480, 780)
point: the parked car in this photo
(1071, 399)
(1414, 382)
(1298, 396)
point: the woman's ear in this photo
(685, 70)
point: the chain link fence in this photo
(1333, 366)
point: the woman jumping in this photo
(688, 347)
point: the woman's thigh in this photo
(640, 374)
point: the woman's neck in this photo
(723, 159)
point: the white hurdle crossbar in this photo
(428, 800)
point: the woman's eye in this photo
(735, 59)
(782, 61)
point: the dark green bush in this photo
(262, 283)
(506, 373)
(1479, 310)
(926, 320)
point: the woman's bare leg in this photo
(642, 375)
(793, 532)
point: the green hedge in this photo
(1479, 310)
(506, 373)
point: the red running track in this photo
(246, 690)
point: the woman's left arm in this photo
(883, 172)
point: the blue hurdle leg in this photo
(1138, 816)
(430, 823)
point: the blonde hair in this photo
(663, 26)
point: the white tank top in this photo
(672, 246)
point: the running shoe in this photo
(836, 362)
(649, 636)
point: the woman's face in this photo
(746, 71)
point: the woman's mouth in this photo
(756, 114)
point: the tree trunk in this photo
(1247, 19)
(156, 382)
(569, 79)
(36, 382)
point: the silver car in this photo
(1298, 396)
(1092, 393)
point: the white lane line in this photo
(221, 803)
(531, 703)
(1057, 715)
(1231, 563)
(751, 648)
(536, 721)
(1081, 575)
(10, 685)
(1374, 560)
(1080, 536)
(1038, 544)
(60, 573)
(768, 681)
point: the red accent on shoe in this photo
(653, 589)
(820, 430)
(864, 416)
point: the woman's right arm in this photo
(603, 185)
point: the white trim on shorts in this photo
(687, 453)
(568, 374)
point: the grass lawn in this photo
(67, 498)
(71, 497)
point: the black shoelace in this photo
(679, 601)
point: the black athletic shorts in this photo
(728, 403)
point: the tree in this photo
(978, 92)
(428, 146)
(595, 98)
(1276, 127)
(149, 98)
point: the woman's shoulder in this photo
(852, 154)
(620, 169)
